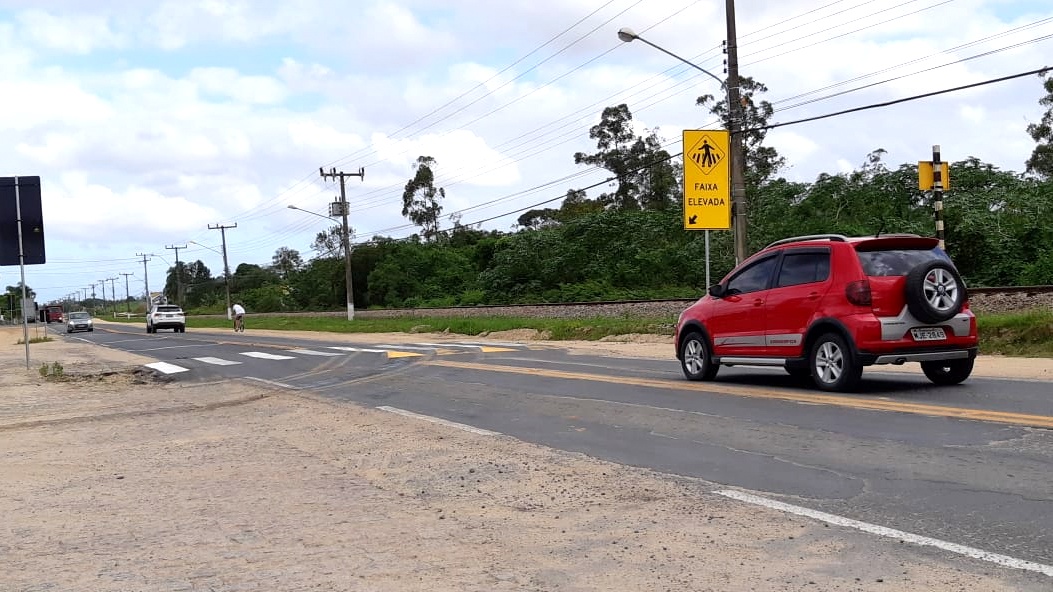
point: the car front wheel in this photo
(695, 359)
(833, 365)
(947, 372)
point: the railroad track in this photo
(1000, 299)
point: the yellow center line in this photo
(1040, 421)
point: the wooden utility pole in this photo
(735, 125)
(127, 295)
(178, 280)
(226, 268)
(146, 278)
(345, 239)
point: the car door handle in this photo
(813, 296)
(758, 302)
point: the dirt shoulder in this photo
(114, 482)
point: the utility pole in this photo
(179, 282)
(113, 295)
(735, 124)
(146, 278)
(226, 268)
(127, 295)
(345, 238)
(103, 284)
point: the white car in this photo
(79, 321)
(166, 316)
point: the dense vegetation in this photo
(629, 241)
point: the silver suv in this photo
(166, 316)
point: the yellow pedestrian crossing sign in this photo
(707, 180)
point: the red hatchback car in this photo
(825, 306)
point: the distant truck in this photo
(29, 310)
(53, 313)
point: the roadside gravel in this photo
(112, 482)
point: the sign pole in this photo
(937, 194)
(707, 260)
(22, 270)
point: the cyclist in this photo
(239, 317)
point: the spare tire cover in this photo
(935, 291)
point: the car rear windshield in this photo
(897, 261)
(168, 309)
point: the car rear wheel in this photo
(833, 365)
(947, 372)
(695, 359)
(935, 291)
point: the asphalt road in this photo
(971, 465)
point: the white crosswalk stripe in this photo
(166, 368)
(357, 349)
(311, 352)
(266, 356)
(217, 361)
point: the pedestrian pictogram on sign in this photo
(706, 155)
(707, 184)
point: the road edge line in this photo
(997, 558)
(452, 424)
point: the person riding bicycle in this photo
(239, 317)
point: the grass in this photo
(558, 329)
(33, 340)
(1028, 334)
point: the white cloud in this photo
(74, 33)
(224, 109)
(227, 82)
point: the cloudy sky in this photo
(149, 121)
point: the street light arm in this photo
(292, 207)
(627, 35)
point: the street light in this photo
(731, 89)
(346, 243)
(292, 207)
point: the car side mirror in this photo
(717, 291)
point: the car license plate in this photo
(928, 334)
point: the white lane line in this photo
(266, 356)
(1003, 560)
(165, 347)
(217, 361)
(166, 368)
(440, 421)
(494, 343)
(357, 349)
(451, 345)
(409, 347)
(273, 383)
(311, 352)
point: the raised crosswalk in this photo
(389, 350)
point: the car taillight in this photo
(858, 293)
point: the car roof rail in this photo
(840, 238)
(898, 235)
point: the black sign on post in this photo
(29, 206)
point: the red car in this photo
(825, 306)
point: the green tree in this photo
(645, 175)
(420, 200)
(286, 261)
(762, 162)
(1041, 161)
(328, 243)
